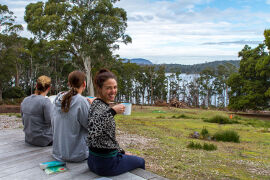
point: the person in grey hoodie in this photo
(69, 121)
(36, 111)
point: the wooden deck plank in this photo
(20, 152)
(8, 132)
(19, 160)
(17, 156)
(20, 167)
(29, 174)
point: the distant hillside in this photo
(140, 61)
(197, 68)
(189, 69)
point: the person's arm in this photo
(83, 112)
(22, 113)
(97, 122)
(47, 110)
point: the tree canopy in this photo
(250, 86)
(89, 30)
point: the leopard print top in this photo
(101, 126)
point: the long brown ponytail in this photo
(75, 81)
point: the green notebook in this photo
(56, 169)
(51, 164)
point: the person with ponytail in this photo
(106, 158)
(36, 114)
(69, 121)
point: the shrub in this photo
(221, 120)
(13, 92)
(209, 147)
(180, 116)
(161, 117)
(227, 136)
(18, 115)
(193, 145)
(205, 133)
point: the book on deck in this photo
(55, 169)
(51, 164)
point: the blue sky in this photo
(185, 31)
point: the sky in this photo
(184, 31)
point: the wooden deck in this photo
(19, 160)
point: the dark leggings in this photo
(113, 166)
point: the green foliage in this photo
(13, 92)
(18, 115)
(221, 120)
(88, 30)
(193, 145)
(209, 147)
(205, 146)
(256, 123)
(197, 68)
(204, 132)
(181, 116)
(15, 101)
(227, 136)
(160, 117)
(250, 86)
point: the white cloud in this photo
(178, 28)
(268, 2)
(175, 29)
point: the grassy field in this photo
(169, 130)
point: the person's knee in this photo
(142, 163)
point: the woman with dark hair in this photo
(69, 121)
(36, 114)
(106, 158)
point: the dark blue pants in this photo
(113, 166)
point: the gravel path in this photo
(10, 122)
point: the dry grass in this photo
(163, 143)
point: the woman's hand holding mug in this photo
(119, 108)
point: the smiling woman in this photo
(106, 158)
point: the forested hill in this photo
(189, 69)
(197, 68)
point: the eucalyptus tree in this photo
(193, 92)
(173, 86)
(183, 90)
(159, 84)
(150, 72)
(250, 86)
(141, 82)
(126, 81)
(8, 47)
(87, 29)
(206, 86)
(222, 74)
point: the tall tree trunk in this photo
(152, 90)
(227, 97)
(1, 92)
(17, 76)
(31, 78)
(87, 66)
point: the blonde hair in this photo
(43, 83)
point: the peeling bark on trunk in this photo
(89, 81)
(1, 92)
(17, 76)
